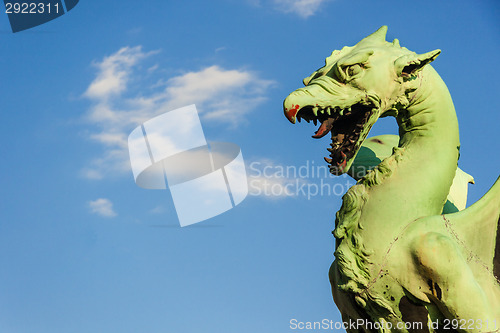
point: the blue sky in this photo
(83, 249)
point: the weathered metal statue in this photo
(401, 255)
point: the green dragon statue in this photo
(401, 256)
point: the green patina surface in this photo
(406, 249)
(376, 149)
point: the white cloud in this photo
(91, 173)
(153, 68)
(303, 8)
(118, 106)
(114, 73)
(224, 95)
(158, 210)
(102, 207)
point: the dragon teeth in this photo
(315, 110)
(328, 110)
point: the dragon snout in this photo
(290, 108)
(297, 100)
(315, 94)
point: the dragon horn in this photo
(378, 36)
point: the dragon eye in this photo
(354, 70)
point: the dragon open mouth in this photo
(348, 127)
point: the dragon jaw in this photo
(349, 124)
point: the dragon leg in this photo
(452, 286)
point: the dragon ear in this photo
(410, 64)
(376, 37)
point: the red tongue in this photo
(324, 129)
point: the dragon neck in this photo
(416, 178)
(429, 148)
(413, 182)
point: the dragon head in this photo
(356, 86)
